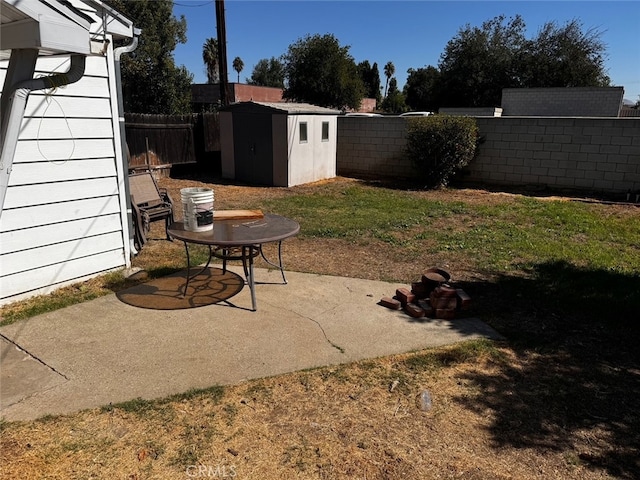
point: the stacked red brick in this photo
(431, 297)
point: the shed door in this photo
(253, 148)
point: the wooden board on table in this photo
(236, 214)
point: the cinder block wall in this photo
(589, 154)
(581, 153)
(372, 147)
(562, 102)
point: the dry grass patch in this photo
(334, 422)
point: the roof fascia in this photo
(53, 29)
(37, 8)
(113, 21)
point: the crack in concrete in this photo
(34, 357)
(330, 342)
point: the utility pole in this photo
(222, 53)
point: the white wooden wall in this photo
(64, 217)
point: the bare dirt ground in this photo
(498, 411)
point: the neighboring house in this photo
(64, 197)
(278, 144)
(209, 94)
(206, 94)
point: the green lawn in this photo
(497, 237)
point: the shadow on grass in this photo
(577, 386)
(538, 191)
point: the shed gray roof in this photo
(295, 108)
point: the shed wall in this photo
(280, 150)
(253, 147)
(227, 152)
(292, 162)
(314, 159)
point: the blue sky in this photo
(411, 34)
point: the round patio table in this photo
(239, 239)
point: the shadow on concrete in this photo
(206, 287)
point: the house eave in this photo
(44, 25)
(49, 34)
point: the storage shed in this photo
(278, 144)
(63, 196)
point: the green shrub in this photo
(440, 145)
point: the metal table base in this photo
(246, 254)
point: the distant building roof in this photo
(291, 107)
(288, 107)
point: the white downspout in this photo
(16, 104)
(117, 53)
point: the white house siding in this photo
(64, 217)
(315, 159)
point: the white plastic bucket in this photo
(197, 209)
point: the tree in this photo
(565, 57)
(394, 102)
(389, 70)
(479, 62)
(321, 72)
(421, 89)
(238, 65)
(375, 83)
(371, 79)
(268, 73)
(151, 81)
(210, 59)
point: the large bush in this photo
(440, 145)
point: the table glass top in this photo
(270, 228)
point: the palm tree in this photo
(210, 59)
(238, 65)
(389, 70)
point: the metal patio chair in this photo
(149, 204)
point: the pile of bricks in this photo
(432, 297)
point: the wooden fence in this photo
(162, 141)
(629, 112)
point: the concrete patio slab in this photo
(105, 351)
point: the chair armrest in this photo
(164, 194)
